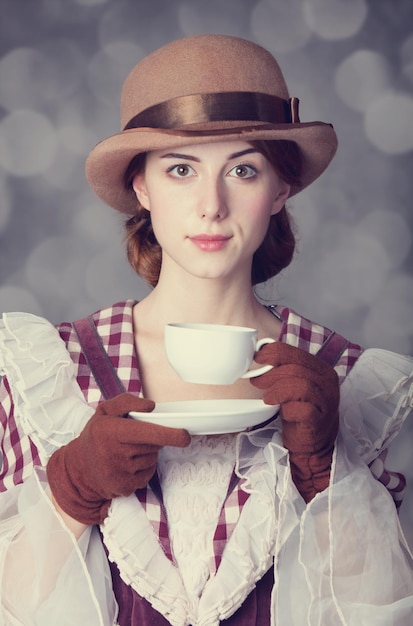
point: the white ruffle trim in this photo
(49, 402)
(134, 547)
(376, 398)
(132, 544)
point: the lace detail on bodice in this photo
(194, 484)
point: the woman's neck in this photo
(202, 301)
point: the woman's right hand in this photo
(113, 456)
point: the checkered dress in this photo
(115, 328)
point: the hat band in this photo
(217, 107)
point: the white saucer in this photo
(209, 417)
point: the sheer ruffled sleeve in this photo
(47, 399)
(376, 399)
(342, 559)
(348, 557)
(47, 577)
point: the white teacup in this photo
(213, 354)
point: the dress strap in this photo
(333, 346)
(97, 358)
(332, 349)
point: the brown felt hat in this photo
(204, 89)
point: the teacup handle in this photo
(264, 368)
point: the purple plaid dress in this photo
(114, 326)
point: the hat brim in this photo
(109, 159)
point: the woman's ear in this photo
(140, 190)
(281, 197)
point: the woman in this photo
(107, 520)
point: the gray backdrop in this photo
(62, 63)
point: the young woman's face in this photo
(210, 205)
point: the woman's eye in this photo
(181, 171)
(243, 171)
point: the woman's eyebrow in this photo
(236, 155)
(177, 155)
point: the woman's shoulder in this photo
(315, 338)
(21, 331)
(110, 332)
(25, 337)
(116, 319)
(309, 335)
(27, 340)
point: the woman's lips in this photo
(210, 243)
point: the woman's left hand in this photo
(307, 391)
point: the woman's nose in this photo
(212, 202)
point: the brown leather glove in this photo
(307, 391)
(113, 456)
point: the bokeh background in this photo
(62, 64)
